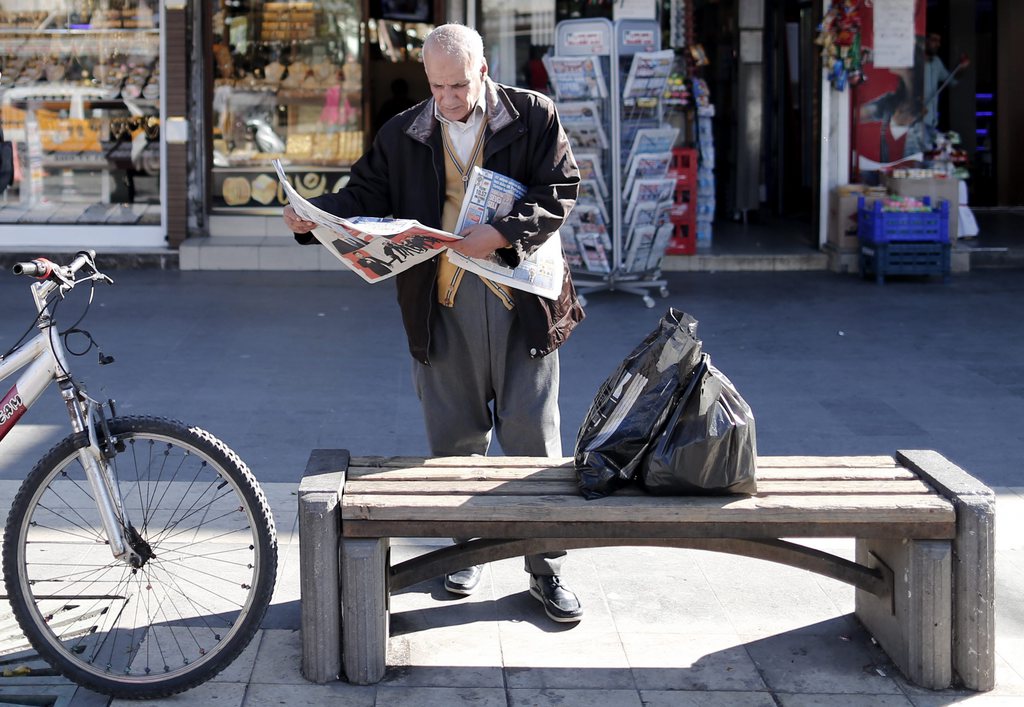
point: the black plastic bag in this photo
(631, 406)
(709, 444)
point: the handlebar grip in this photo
(40, 268)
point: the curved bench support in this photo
(873, 580)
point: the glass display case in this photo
(80, 100)
(288, 84)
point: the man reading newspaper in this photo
(485, 355)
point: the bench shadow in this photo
(836, 656)
(461, 611)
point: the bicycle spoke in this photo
(201, 541)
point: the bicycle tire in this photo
(189, 611)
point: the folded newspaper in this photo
(379, 248)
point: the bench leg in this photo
(364, 608)
(914, 625)
(974, 630)
(319, 526)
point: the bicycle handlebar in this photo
(43, 269)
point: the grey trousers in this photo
(482, 381)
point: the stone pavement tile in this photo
(285, 610)
(279, 659)
(842, 700)
(340, 694)
(574, 698)
(240, 669)
(1009, 518)
(460, 655)
(1010, 663)
(971, 700)
(1009, 685)
(660, 590)
(393, 696)
(565, 660)
(61, 695)
(688, 662)
(1010, 594)
(827, 661)
(284, 501)
(766, 598)
(210, 693)
(440, 640)
(702, 698)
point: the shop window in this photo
(518, 33)
(288, 84)
(80, 99)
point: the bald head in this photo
(455, 41)
(453, 59)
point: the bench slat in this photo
(766, 462)
(531, 486)
(538, 473)
(851, 525)
(922, 508)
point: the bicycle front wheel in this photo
(196, 514)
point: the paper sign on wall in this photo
(894, 33)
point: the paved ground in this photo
(279, 363)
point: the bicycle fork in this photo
(87, 417)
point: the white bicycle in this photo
(140, 553)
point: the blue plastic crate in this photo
(877, 226)
(921, 258)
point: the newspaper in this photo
(379, 248)
(648, 191)
(373, 248)
(647, 165)
(576, 77)
(582, 122)
(590, 168)
(490, 196)
(652, 141)
(648, 74)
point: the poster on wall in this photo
(888, 106)
(893, 42)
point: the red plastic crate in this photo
(684, 164)
(684, 239)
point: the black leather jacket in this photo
(403, 176)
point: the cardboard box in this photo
(842, 216)
(935, 189)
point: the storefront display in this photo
(80, 99)
(289, 85)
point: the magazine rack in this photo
(609, 78)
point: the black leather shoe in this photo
(464, 581)
(560, 604)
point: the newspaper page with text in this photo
(490, 196)
(373, 248)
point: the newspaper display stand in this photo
(609, 78)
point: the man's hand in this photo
(479, 241)
(295, 223)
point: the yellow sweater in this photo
(449, 275)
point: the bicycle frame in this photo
(45, 361)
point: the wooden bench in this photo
(924, 569)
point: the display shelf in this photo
(609, 78)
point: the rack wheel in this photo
(648, 301)
(663, 291)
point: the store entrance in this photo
(763, 77)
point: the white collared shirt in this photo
(463, 135)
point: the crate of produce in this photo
(876, 225)
(907, 258)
